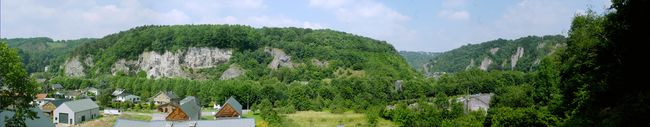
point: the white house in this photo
(92, 90)
(75, 112)
(127, 97)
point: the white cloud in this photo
(91, 18)
(454, 15)
(328, 3)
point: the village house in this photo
(188, 109)
(76, 112)
(57, 86)
(165, 97)
(73, 94)
(117, 91)
(91, 90)
(476, 102)
(124, 97)
(49, 106)
(230, 109)
(42, 98)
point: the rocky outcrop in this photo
(515, 57)
(280, 59)
(171, 64)
(485, 63)
(73, 67)
(161, 65)
(471, 64)
(233, 71)
(205, 57)
(494, 50)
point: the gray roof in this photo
(81, 105)
(57, 102)
(245, 122)
(234, 103)
(117, 91)
(41, 121)
(57, 86)
(191, 107)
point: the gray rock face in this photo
(233, 71)
(171, 64)
(515, 57)
(280, 59)
(494, 50)
(205, 57)
(485, 63)
(74, 68)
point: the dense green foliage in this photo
(418, 60)
(41, 52)
(602, 73)
(535, 49)
(16, 88)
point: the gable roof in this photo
(117, 91)
(80, 105)
(57, 102)
(169, 94)
(234, 104)
(41, 121)
(191, 107)
(41, 96)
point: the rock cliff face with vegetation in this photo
(523, 54)
(208, 51)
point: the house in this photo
(165, 97)
(231, 108)
(245, 122)
(75, 112)
(75, 94)
(41, 99)
(188, 109)
(57, 86)
(117, 91)
(127, 97)
(49, 106)
(91, 90)
(168, 107)
(476, 102)
(40, 121)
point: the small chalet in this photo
(42, 98)
(165, 97)
(188, 109)
(75, 112)
(49, 106)
(74, 94)
(231, 108)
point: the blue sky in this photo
(414, 25)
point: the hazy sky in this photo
(416, 25)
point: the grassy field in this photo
(106, 121)
(327, 119)
(135, 117)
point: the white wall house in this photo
(76, 112)
(127, 97)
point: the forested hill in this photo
(41, 52)
(236, 51)
(523, 54)
(418, 59)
